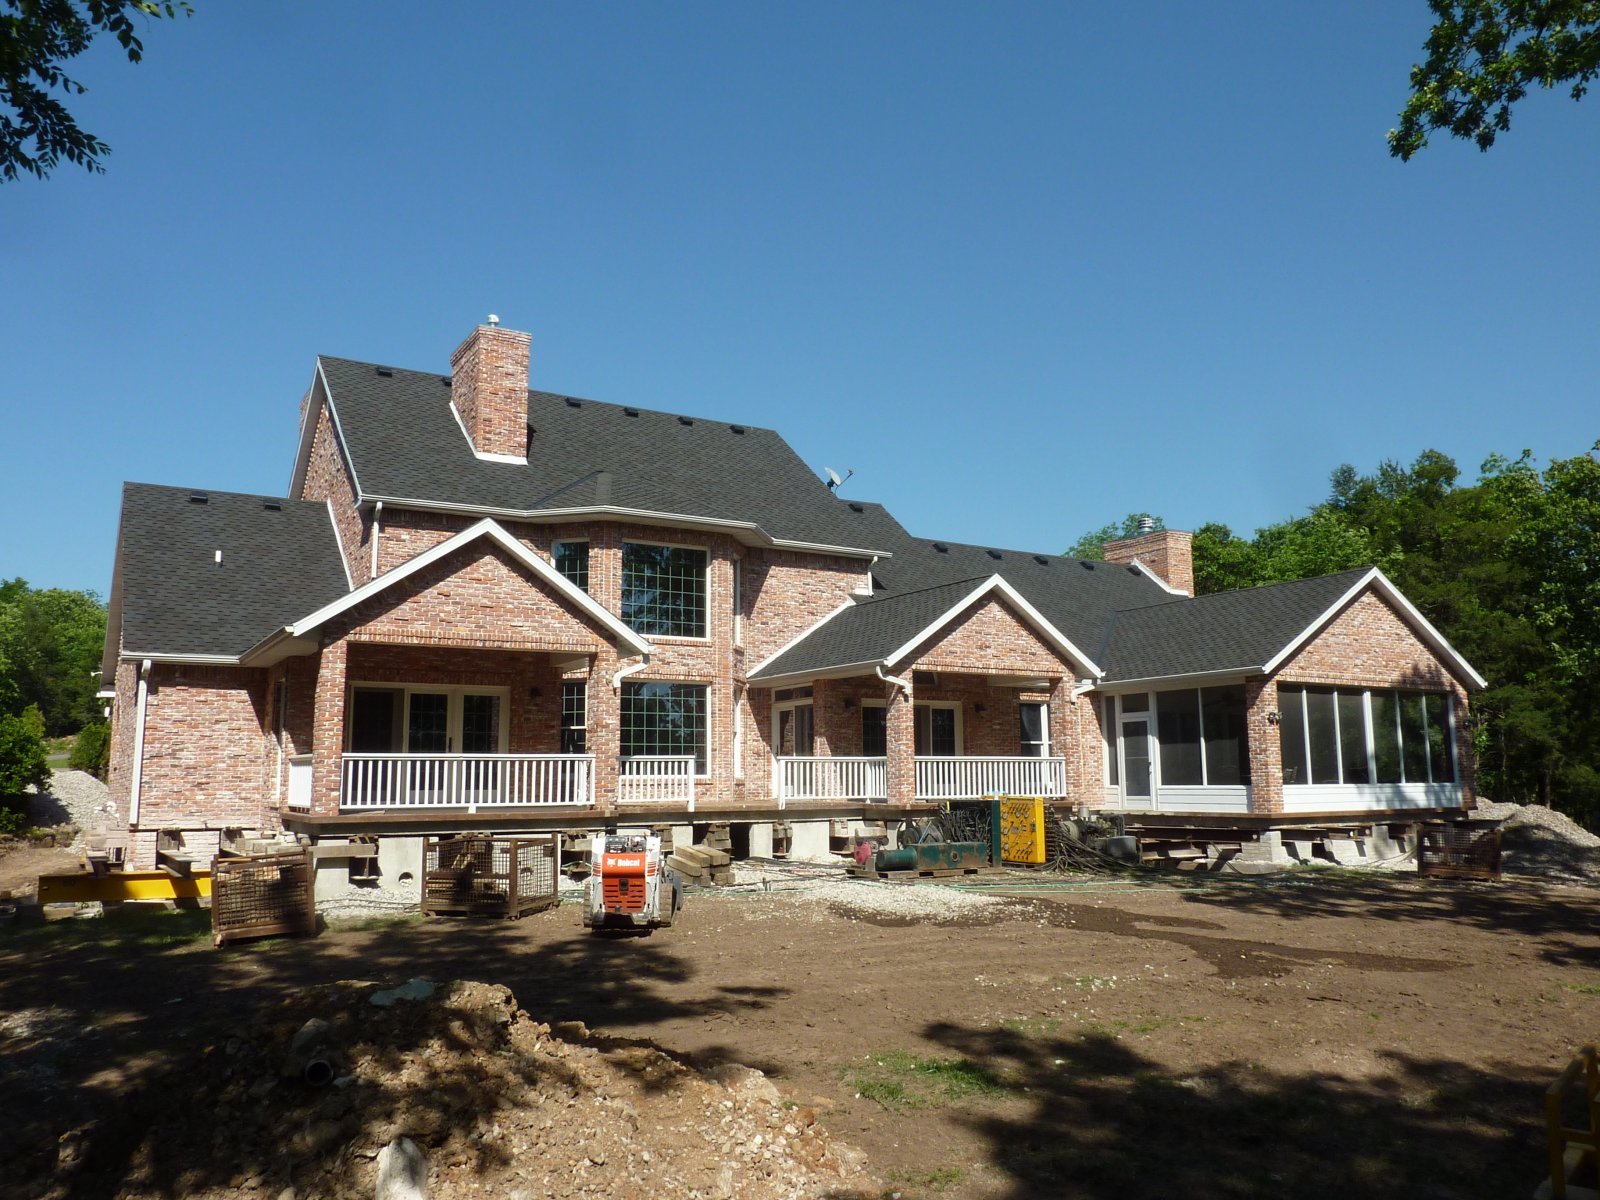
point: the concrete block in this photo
(761, 839)
(809, 842)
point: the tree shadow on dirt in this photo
(1089, 1117)
(1565, 920)
(104, 1025)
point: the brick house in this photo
(485, 607)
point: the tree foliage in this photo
(36, 37)
(50, 644)
(1093, 544)
(22, 754)
(1484, 55)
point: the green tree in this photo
(1484, 55)
(36, 37)
(50, 644)
(22, 753)
(1093, 544)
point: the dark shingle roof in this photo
(277, 566)
(1220, 632)
(405, 444)
(870, 630)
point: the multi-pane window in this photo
(874, 730)
(1356, 735)
(665, 719)
(1202, 736)
(574, 717)
(572, 560)
(1034, 729)
(937, 731)
(664, 590)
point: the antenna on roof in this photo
(834, 481)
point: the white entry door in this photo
(1138, 768)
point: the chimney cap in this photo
(1147, 524)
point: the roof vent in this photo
(994, 554)
(1147, 524)
(445, 379)
(272, 505)
(1086, 564)
(571, 403)
(685, 420)
(630, 412)
(384, 371)
(854, 507)
(941, 548)
(1132, 570)
(199, 498)
(1041, 560)
(736, 428)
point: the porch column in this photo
(1266, 751)
(1074, 736)
(327, 728)
(826, 713)
(604, 735)
(901, 723)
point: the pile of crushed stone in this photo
(496, 1103)
(1540, 841)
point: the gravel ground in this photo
(73, 798)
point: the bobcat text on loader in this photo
(629, 886)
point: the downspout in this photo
(1079, 689)
(138, 744)
(902, 684)
(377, 516)
(624, 672)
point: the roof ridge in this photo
(209, 491)
(1255, 588)
(932, 587)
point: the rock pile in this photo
(1536, 840)
(304, 1100)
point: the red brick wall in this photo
(988, 639)
(1167, 552)
(327, 480)
(203, 748)
(785, 593)
(124, 725)
(489, 387)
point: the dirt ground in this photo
(1334, 1034)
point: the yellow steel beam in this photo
(122, 885)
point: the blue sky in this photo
(1025, 268)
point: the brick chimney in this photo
(1167, 552)
(489, 387)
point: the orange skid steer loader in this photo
(629, 885)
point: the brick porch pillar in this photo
(604, 738)
(901, 723)
(1074, 736)
(827, 712)
(1266, 751)
(327, 729)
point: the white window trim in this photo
(739, 695)
(1042, 704)
(453, 718)
(1372, 742)
(709, 609)
(782, 706)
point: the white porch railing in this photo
(657, 779)
(968, 778)
(817, 778)
(469, 781)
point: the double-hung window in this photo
(664, 590)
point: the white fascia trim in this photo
(574, 595)
(349, 580)
(1381, 583)
(520, 460)
(193, 660)
(797, 639)
(841, 672)
(552, 516)
(308, 435)
(1118, 687)
(1029, 613)
(1162, 583)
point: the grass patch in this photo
(1032, 1026)
(130, 931)
(897, 1079)
(364, 924)
(1583, 989)
(936, 1180)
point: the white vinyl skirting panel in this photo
(1366, 797)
